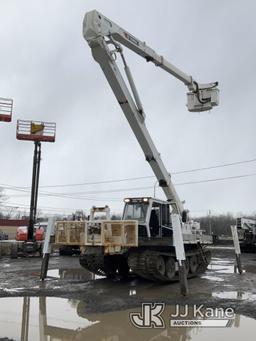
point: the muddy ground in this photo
(218, 287)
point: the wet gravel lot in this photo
(219, 286)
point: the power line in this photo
(57, 210)
(45, 209)
(146, 177)
(12, 210)
(216, 166)
(79, 195)
(59, 195)
(100, 191)
(15, 204)
(100, 182)
(64, 195)
(216, 179)
(152, 176)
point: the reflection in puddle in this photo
(219, 260)
(76, 274)
(63, 320)
(220, 247)
(97, 276)
(249, 268)
(12, 290)
(19, 317)
(53, 273)
(221, 268)
(132, 292)
(213, 278)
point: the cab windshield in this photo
(135, 211)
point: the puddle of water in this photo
(132, 292)
(97, 276)
(239, 295)
(12, 290)
(228, 269)
(74, 274)
(53, 273)
(224, 247)
(213, 278)
(249, 268)
(219, 260)
(60, 313)
(62, 319)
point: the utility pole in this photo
(210, 222)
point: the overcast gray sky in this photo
(47, 68)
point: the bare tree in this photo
(3, 198)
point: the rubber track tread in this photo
(144, 264)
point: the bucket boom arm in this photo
(106, 39)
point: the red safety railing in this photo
(6, 106)
(36, 131)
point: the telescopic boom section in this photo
(102, 34)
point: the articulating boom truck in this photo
(155, 239)
(165, 241)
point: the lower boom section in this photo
(152, 263)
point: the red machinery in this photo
(22, 234)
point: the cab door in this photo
(155, 221)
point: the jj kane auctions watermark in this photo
(151, 316)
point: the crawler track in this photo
(146, 264)
(149, 264)
(93, 263)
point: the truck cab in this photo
(153, 216)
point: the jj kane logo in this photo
(182, 316)
(150, 316)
